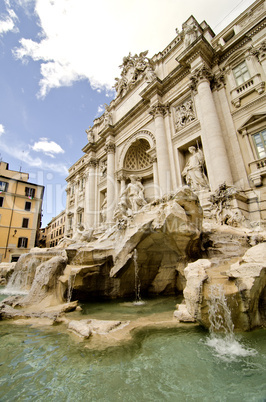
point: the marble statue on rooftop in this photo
(90, 135)
(191, 33)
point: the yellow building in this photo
(55, 230)
(20, 213)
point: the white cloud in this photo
(8, 20)
(49, 148)
(2, 129)
(100, 110)
(24, 155)
(88, 39)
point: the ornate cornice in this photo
(200, 48)
(226, 53)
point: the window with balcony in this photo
(253, 133)
(22, 242)
(241, 73)
(3, 186)
(260, 143)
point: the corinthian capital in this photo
(109, 148)
(158, 110)
(200, 74)
(92, 163)
(260, 51)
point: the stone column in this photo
(110, 150)
(158, 111)
(170, 148)
(75, 218)
(212, 136)
(90, 194)
(155, 177)
(234, 153)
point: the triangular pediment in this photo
(253, 120)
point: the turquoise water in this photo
(182, 364)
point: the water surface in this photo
(182, 364)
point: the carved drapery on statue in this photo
(131, 201)
(191, 32)
(134, 68)
(194, 170)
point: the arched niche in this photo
(136, 158)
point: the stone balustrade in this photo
(255, 83)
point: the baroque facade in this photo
(193, 114)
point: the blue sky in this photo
(58, 63)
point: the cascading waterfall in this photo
(138, 300)
(71, 283)
(222, 338)
(19, 282)
(219, 312)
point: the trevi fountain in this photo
(168, 303)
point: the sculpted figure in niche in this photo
(134, 194)
(194, 170)
(103, 168)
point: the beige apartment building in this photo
(55, 230)
(20, 213)
(194, 114)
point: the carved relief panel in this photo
(184, 114)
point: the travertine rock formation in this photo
(243, 284)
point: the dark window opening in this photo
(25, 223)
(27, 206)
